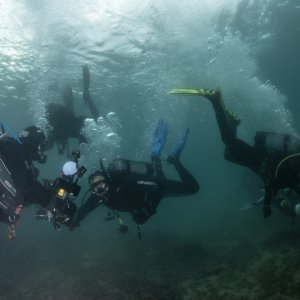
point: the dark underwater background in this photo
(196, 247)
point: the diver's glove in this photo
(179, 147)
(160, 137)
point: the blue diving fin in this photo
(5, 129)
(179, 147)
(160, 137)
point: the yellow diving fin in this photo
(192, 92)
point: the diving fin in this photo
(193, 92)
(179, 147)
(214, 97)
(86, 78)
(6, 130)
(160, 137)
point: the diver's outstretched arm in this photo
(86, 93)
(91, 203)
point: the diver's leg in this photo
(86, 93)
(91, 203)
(237, 151)
(188, 180)
(245, 155)
(227, 121)
(189, 184)
(157, 166)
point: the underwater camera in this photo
(65, 188)
(81, 171)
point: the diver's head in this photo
(34, 140)
(98, 183)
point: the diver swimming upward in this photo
(275, 157)
(62, 119)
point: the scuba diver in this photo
(275, 157)
(137, 187)
(19, 186)
(63, 190)
(63, 122)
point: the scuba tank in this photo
(119, 168)
(283, 143)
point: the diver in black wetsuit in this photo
(64, 124)
(275, 158)
(19, 186)
(138, 187)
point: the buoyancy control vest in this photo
(137, 180)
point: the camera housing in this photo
(65, 188)
(81, 171)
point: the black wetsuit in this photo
(64, 125)
(262, 160)
(20, 175)
(62, 119)
(139, 194)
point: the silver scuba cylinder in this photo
(129, 167)
(277, 142)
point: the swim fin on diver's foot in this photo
(178, 148)
(160, 137)
(86, 78)
(195, 92)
